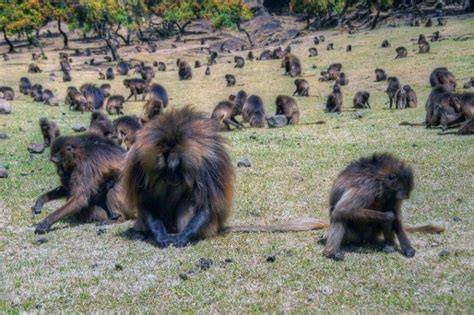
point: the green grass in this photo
(291, 175)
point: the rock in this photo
(444, 253)
(3, 135)
(3, 172)
(205, 263)
(228, 260)
(41, 240)
(277, 121)
(77, 127)
(271, 258)
(118, 267)
(456, 219)
(244, 162)
(357, 115)
(35, 148)
(183, 276)
(5, 107)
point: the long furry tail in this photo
(406, 123)
(429, 229)
(294, 225)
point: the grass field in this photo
(291, 175)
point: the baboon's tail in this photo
(429, 229)
(294, 225)
(406, 123)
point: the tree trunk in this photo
(376, 19)
(342, 16)
(181, 28)
(40, 46)
(11, 48)
(470, 6)
(64, 35)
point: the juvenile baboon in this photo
(25, 85)
(278, 53)
(36, 93)
(361, 100)
(421, 39)
(442, 76)
(424, 47)
(292, 65)
(457, 109)
(392, 88)
(76, 100)
(100, 125)
(349, 48)
(405, 97)
(401, 52)
(435, 37)
(109, 74)
(208, 71)
(33, 68)
(224, 115)
(125, 130)
(197, 64)
(316, 40)
(254, 112)
(123, 68)
(287, 106)
(469, 84)
(330, 46)
(230, 79)
(180, 178)
(439, 95)
(334, 100)
(342, 79)
(89, 168)
(265, 55)
(239, 62)
(302, 87)
(49, 98)
(7, 93)
(313, 52)
(429, 23)
(101, 75)
(380, 75)
(49, 130)
(161, 66)
(114, 105)
(106, 89)
(185, 71)
(322, 38)
(212, 60)
(442, 21)
(137, 87)
(250, 56)
(332, 73)
(385, 44)
(67, 76)
(147, 73)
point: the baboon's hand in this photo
(36, 209)
(43, 227)
(408, 252)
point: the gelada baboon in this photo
(89, 168)
(334, 100)
(401, 52)
(197, 64)
(330, 46)
(25, 85)
(365, 202)
(180, 178)
(332, 73)
(442, 76)
(385, 44)
(7, 93)
(67, 76)
(94, 95)
(114, 105)
(278, 53)
(109, 74)
(185, 71)
(161, 66)
(254, 112)
(106, 89)
(250, 56)
(361, 100)
(380, 75)
(313, 52)
(100, 125)
(302, 87)
(458, 109)
(469, 84)
(137, 87)
(439, 95)
(292, 65)
(49, 98)
(49, 130)
(265, 55)
(33, 68)
(442, 21)
(239, 62)
(322, 38)
(152, 109)
(349, 48)
(435, 37)
(424, 47)
(208, 71)
(125, 130)
(286, 105)
(230, 79)
(342, 79)
(239, 100)
(392, 88)
(429, 23)
(76, 100)
(224, 115)
(316, 40)
(405, 97)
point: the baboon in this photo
(254, 112)
(239, 62)
(114, 105)
(435, 37)
(197, 64)
(64, 65)
(302, 87)
(322, 38)
(385, 44)
(401, 52)
(421, 39)
(35, 56)
(224, 115)
(380, 75)
(250, 56)
(424, 47)
(109, 74)
(94, 95)
(137, 87)
(7, 93)
(208, 71)
(5, 57)
(392, 88)
(459, 108)
(313, 52)
(469, 84)
(230, 79)
(332, 73)
(349, 48)
(25, 85)
(108, 59)
(365, 202)
(442, 76)
(440, 94)
(123, 68)
(278, 53)
(106, 89)
(67, 76)
(239, 101)
(89, 168)
(125, 130)
(342, 79)
(442, 21)
(161, 66)
(152, 109)
(180, 177)
(405, 97)
(185, 71)
(429, 23)
(361, 100)
(100, 125)
(76, 100)
(316, 40)
(52, 77)
(265, 55)
(88, 52)
(49, 130)
(292, 65)
(334, 100)
(33, 68)
(147, 73)
(36, 93)
(101, 75)
(286, 105)
(49, 98)
(330, 46)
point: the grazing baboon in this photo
(429, 23)
(385, 44)
(334, 100)
(302, 87)
(330, 46)
(313, 52)
(25, 85)
(424, 47)
(250, 56)
(100, 125)
(106, 89)
(469, 84)
(239, 62)
(109, 74)
(380, 75)
(180, 152)
(123, 68)
(137, 87)
(349, 48)
(361, 100)
(159, 94)
(365, 202)
(33, 68)
(224, 115)
(76, 100)
(435, 37)
(114, 105)
(152, 109)
(332, 73)
(208, 71)
(316, 40)
(94, 95)
(230, 79)
(67, 76)
(147, 73)
(49, 130)
(292, 65)
(401, 52)
(254, 112)
(442, 76)
(342, 79)
(265, 55)
(197, 64)
(125, 130)
(442, 21)
(392, 88)
(239, 101)
(49, 98)
(421, 39)
(7, 93)
(89, 168)
(185, 71)
(161, 66)
(286, 105)
(322, 38)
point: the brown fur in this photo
(185, 72)
(49, 130)
(100, 125)
(313, 52)
(405, 97)
(361, 100)
(230, 79)
(137, 87)
(292, 65)
(239, 62)
(125, 130)
(254, 112)
(7, 93)
(402, 52)
(286, 105)
(392, 88)
(442, 76)
(385, 44)
(33, 68)
(114, 105)
(151, 110)
(332, 73)
(334, 100)
(302, 87)
(424, 46)
(224, 115)
(380, 75)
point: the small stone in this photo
(277, 121)
(3, 135)
(315, 67)
(253, 137)
(36, 148)
(271, 258)
(77, 127)
(456, 219)
(205, 263)
(357, 115)
(94, 265)
(118, 267)
(434, 244)
(41, 240)
(299, 178)
(444, 253)
(5, 107)
(228, 260)
(101, 230)
(244, 162)
(414, 145)
(3, 172)
(184, 276)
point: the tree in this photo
(179, 12)
(61, 11)
(311, 8)
(227, 13)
